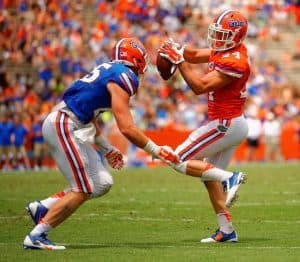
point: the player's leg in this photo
(39, 208)
(64, 207)
(57, 131)
(231, 181)
(209, 140)
(67, 203)
(205, 170)
(102, 182)
(60, 211)
(225, 231)
(81, 166)
(215, 137)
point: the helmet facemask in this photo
(220, 39)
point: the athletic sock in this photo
(41, 228)
(50, 201)
(224, 221)
(215, 174)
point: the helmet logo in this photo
(135, 45)
(235, 23)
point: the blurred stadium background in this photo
(45, 45)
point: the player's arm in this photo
(112, 154)
(210, 82)
(97, 127)
(196, 55)
(121, 112)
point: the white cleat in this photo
(232, 185)
(220, 236)
(40, 242)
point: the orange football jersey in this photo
(228, 101)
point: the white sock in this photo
(40, 229)
(224, 221)
(50, 201)
(215, 174)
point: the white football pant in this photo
(215, 142)
(79, 162)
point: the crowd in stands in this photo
(57, 41)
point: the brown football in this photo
(165, 68)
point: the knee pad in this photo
(102, 184)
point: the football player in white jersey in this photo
(70, 130)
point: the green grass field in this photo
(159, 215)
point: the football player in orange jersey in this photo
(225, 86)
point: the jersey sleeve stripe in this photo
(128, 83)
(132, 83)
(229, 71)
(125, 85)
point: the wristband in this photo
(152, 148)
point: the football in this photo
(165, 68)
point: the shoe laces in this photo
(45, 240)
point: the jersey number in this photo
(236, 54)
(95, 73)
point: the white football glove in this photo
(167, 155)
(113, 156)
(172, 51)
(164, 153)
(115, 159)
(173, 44)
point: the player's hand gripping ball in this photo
(165, 68)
